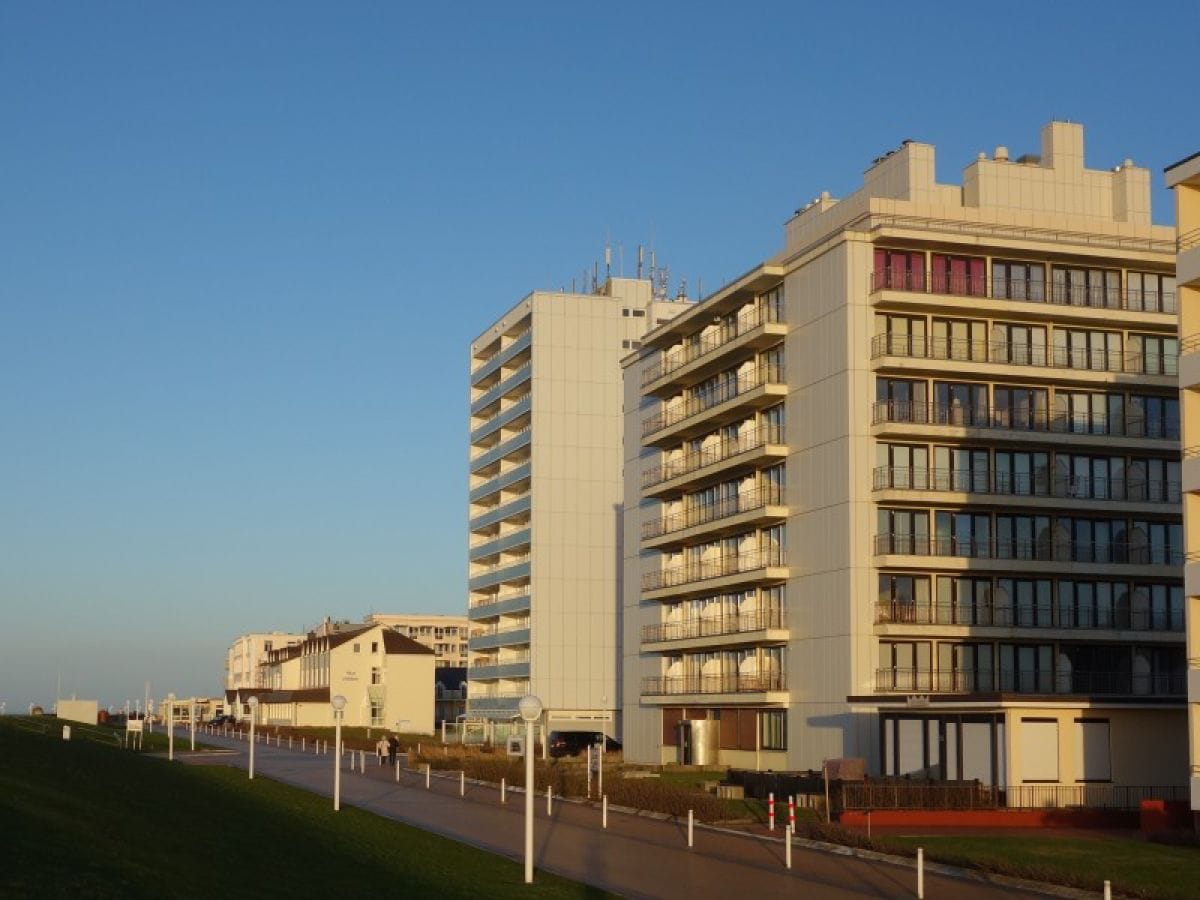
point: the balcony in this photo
(755, 564)
(1110, 553)
(522, 342)
(1022, 421)
(502, 387)
(503, 480)
(760, 386)
(496, 605)
(748, 625)
(1024, 291)
(749, 329)
(1016, 485)
(501, 450)
(1004, 353)
(499, 544)
(747, 448)
(512, 569)
(514, 507)
(520, 407)
(508, 669)
(503, 637)
(494, 702)
(714, 684)
(984, 681)
(1006, 615)
(749, 508)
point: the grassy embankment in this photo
(87, 819)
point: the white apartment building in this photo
(910, 490)
(386, 678)
(446, 636)
(248, 652)
(1184, 177)
(545, 496)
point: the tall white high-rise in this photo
(545, 498)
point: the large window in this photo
(774, 729)
(900, 270)
(1076, 286)
(962, 339)
(903, 598)
(961, 275)
(1151, 291)
(1018, 280)
(961, 403)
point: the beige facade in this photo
(386, 678)
(446, 636)
(910, 490)
(545, 494)
(1184, 177)
(248, 652)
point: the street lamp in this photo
(253, 702)
(530, 709)
(170, 727)
(192, 721)
(339, 704)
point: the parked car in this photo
(221, 721)
(572, 743)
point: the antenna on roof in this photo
(607, 261)
(641, 261)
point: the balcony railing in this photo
(1017, 354)
(917, 413)
(1188, 240)
(1025, 484)
(493, 599)
(500, 632)
(746, 320)
(715, 626)
(706, 569)
(1007, 615)
(1024, 290)
(976, 681)
(897, 794)
(492, 663)
(724, 392)
(1049, 550)
(715, 684)
(766, 495)
(722, 450)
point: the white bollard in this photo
(462, 784)
(426, 776)
(691, 828)
(604, 811)
(302, 740)
(1107, 889)
(362, 762)
(397, 771)
(289, 742)
(418, 748)
(771, 811)
(787, 847)
(502, 790)
(920, 873)
(549, 795)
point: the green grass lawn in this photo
(1134, 867)
(84, 819)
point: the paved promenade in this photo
(636, 856)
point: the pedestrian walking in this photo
(393, 743)
(381, 750)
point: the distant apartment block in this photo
(1184, 177)
(544, 500)
(910, 489)
(445, 635)
(248, 652)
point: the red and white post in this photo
(771, 811)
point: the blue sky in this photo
(243, 248)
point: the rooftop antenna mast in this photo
(607, 261)
(641, 262)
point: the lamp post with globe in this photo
(530, 709)
(339, 705)
(253, 702)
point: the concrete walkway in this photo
(637, 856)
